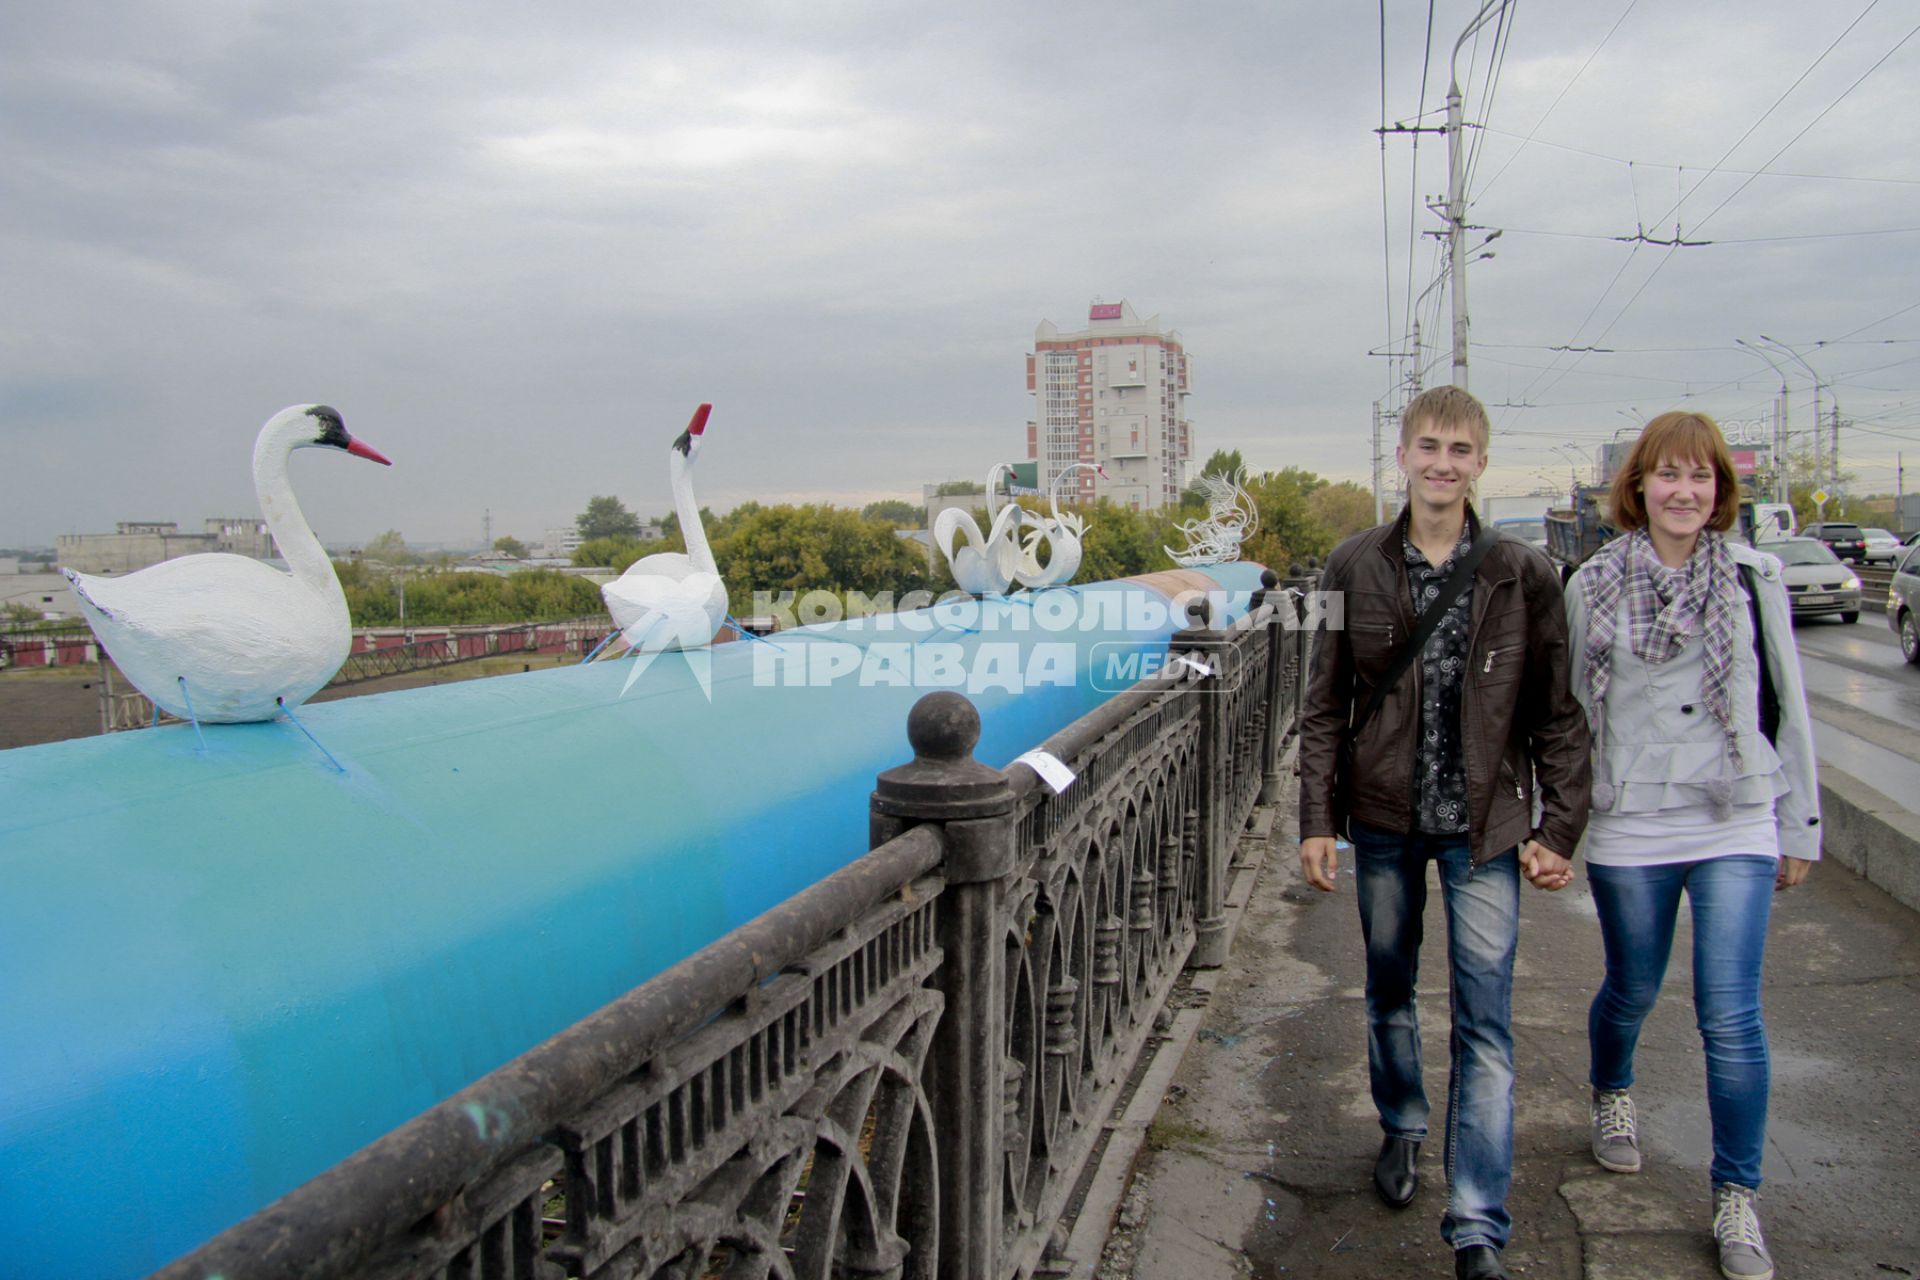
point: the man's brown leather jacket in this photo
(1521, 727)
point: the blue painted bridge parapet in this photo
(901, 1071)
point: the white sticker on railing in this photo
(1048, 766)
(1188, 660)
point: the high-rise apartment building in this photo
(1113, 393)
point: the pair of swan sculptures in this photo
(226, 639)
(220, 638)
(991, 563)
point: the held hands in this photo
(1792, 871)
(1320, 862)
(1544, 868)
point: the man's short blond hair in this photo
(1447, 407)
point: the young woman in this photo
(1703, 784)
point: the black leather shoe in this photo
(1479, 1262)
(1394, 1175)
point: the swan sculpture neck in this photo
(680, 473)
(1059, 479)
(993, 489)
(288, 524)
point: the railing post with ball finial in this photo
(965, 1083)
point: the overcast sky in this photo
(515, 245)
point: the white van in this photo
(1771, 522)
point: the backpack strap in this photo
(1450, 590)
(1769, 692)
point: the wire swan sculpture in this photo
(1232, 517)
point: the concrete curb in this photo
(1865, 834)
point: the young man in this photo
(1480, 730)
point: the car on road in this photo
(1882, 547)
(1529, 529)
(1818, 585)
(1843, 536)
(1903, 603)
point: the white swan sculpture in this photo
(669, 600)
(1232, 517)
(1061, 532)
(224, 638)
(985, 565)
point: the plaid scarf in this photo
(1664, 607)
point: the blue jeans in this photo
(1732, 899)
(1483, 928)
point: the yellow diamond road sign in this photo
(1819, 496)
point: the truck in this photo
(1521, 516)
(1577, 530)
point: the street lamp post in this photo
(1457, 196)
(1780, 490)
(1833, 455)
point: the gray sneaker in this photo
(1616, 1143)
(1736, 1229)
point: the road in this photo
(1865, 701)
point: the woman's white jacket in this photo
(1659, 747)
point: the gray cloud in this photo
(515, 247)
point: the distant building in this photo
(560, 544)
(135, 544)
(44, 593)
(1115, 394)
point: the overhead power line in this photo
(1762, 117)
(1882, 320)
(1413, 184)
(1386, 214)
(1563, 93)
(1816, 120)
(1738, 173)
(1641, 237)
(1668, 256)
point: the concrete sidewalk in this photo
(1258, 1160)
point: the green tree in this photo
(894, 511)
(1341, 510)
(1120, 542)
(813, 547)
(508, 545)
(1224, 462)
(461, 599)
(954, 488)
(1804, 477)
(389, 548)
(616, 551)
(607, 517)
(1288, 529)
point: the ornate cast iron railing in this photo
(899, 1072)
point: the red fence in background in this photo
(48, 649)
(427, 646)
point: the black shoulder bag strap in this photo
(1457, 581)
(1769, 694)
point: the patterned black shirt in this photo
(1439, 762)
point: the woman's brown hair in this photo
(1676, 437)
